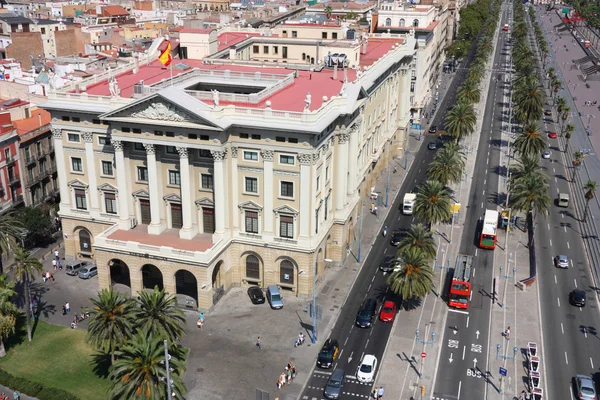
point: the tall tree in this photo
(528, 165)
(577, 156)
(529, 101)
(448, 164)
(25, 267)
(590, 192)
(569, 129)
(461, 120)
(564, 116)
(420, 238)
(158, 313)
(432, 204)
(469, 91)
(530, 141)
(112, 321)
(140, 371)
(414, 279)
(529, 194)
(8, 311)
(559, 104)
(11, 230)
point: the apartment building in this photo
(11, 192)
(227, 170)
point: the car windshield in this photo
(275, 297)
(364, 314)
(366, 368)
(387, 309)
(325, 354)
(334, 383)
(587, 390)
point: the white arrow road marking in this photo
(477, 333)
(474, 363)
(350, 358)
(450, 359)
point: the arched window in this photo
(402, 22)
(252, 267)
(85, 243)
(388, 22)
(286, 272)
(416, 23)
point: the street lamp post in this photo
(168, 369)
(314, 306)
(387, 188)
(362, 205)
(590, 116)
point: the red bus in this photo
(460, 289)
(487, 240)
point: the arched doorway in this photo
(151, 277)
(186, 286)
(252, 270)
(84, 247)
(218, 290)
(287, 275)
(119, 274)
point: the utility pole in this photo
(167, 368)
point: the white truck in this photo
(408, 203)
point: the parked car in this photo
(366, 370)
(546, 154)
(328, 354)
(432, 146)
(364, 317)
(547, 112)
(75, 267)
(388, 264)
(585, 388)
(256, 295)
(388, 311)
(552, 135)
(88, 271)
(433, 129)
(333, 388)
(562, 261)
(396, 237)
(577, 298)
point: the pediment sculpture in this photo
(163, 112)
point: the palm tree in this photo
(469, 91)
(24, 267)
(556, 86)
(414, 279)
(530, 141)
(112, 321)
(432, 204)
(576, 163)
(560, 103)
(564, 116)
(529, 194)
(448, 164)
(590, 188)
(529, 165)
(569, 129)
(529, 100)
(420, 238)
(10, 231)
(140, 371)
(158, 313)
(461, 120)
(328, 11)
(8, 311)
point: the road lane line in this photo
(373, 279)
(592, 362)
(571, 262)
(468, 321)
(459, 385)
(548, 226)
(481, 204)
(385, 250)
(367, 344)
(464, 350)
(474, 268)
(566, 358)
(565, 229)
(483, 193)
(558, 299)
(575, 281)
(458, 311)
(568, 246)
(562, 328)
(550, 242)
(555, 279)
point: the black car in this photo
(388, 264)
(577, 298)
(256, 295)
(433, 129)
(432, 146)
(364, 317)
(396, 237)
(328, 354)
(547, 112)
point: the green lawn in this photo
(57, 357)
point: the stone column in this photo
(306, 216)
(121, 184)
(341, 170)
(90, 162)
(61, 169)
(268, 192)
(219, 180)
(234, 186)
(155, 227)
(187, 231)
(354, 133)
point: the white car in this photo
(366, 370)
(546, 154)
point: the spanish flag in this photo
(165, 57)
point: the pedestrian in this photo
(380, 393)
(258, 343)
(375, 211)
(374, 394)
(54, 264)
(52, 278)
(59, 265)
(44, 279)
(372, 207)
(201, 317)
(67, 308)
(507, 333)
(199, 323)
(16, 395)
(64, 310)
(293, 372)
(288, 373)
(56, 255)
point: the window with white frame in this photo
(250, 156)
(103, 140)
(110, 203)
(251, 185)
(138, 146)
(107, 168)
(142, 174)
(76, 164)
(251, 221)
(174, 178)
(286, 159)
(171, 150)
(206, 181)
(287, 189)
(80, 199)
(73, 137)
(286, 226)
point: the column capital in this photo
(315, 157)
(57, 133)
(234, 152)
(183, 152)
(88, 136)
(268, 155)
(117, 144)
(305, 158)
(150, 149)
(343, 137)
(219, 155)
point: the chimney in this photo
(363, 49)
(232, 53)
(335, 72)
(136, 69)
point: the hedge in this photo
(33, 389)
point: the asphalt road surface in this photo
(462, 368)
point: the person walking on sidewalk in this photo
(507, 333)
(67, 308)
(56, 255)
(380, 393)
(54, 264)
(258, 343)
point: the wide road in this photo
(462, 367)
(356, 342)
(570, 334)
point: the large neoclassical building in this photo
(227, 170)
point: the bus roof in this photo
(490, 222)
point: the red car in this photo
(388, 311)
(552, 135)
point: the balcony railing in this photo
(18, 199)
(29, 160)
(14, 179)
(32, 180)
(10, 159)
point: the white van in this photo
(274, 297)
(563, 200)
(408, 203)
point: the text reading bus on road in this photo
(488, 231)
(460, 289)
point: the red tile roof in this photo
(113, 11)
(377, 48)
(192, 30)
(27, 125)
(228, 39)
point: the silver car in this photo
(88, 272)
(585, 388)
(546, 155)
(562, 261)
